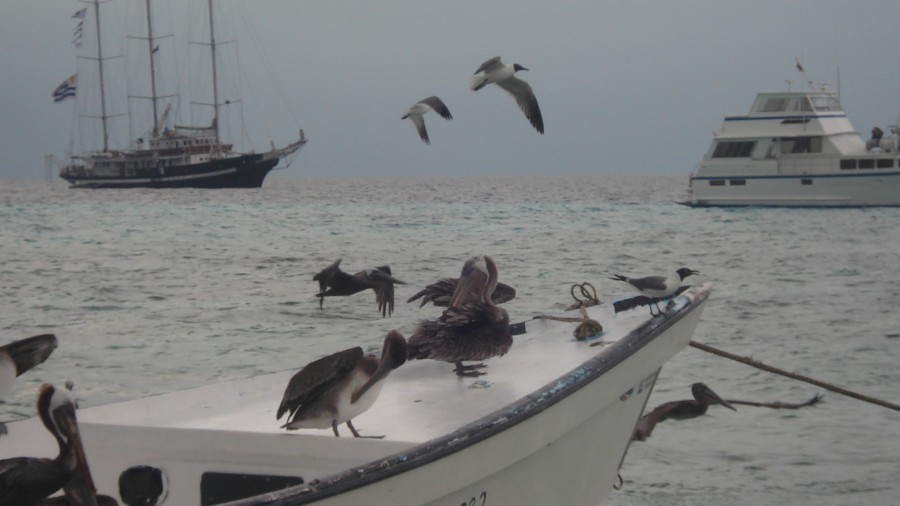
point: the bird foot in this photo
(469, 371)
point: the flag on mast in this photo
(66, 89)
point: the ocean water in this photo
(153, 291)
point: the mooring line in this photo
(765, 367)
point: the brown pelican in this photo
(439, 293)
(657, 287)
(418, 110)
(28, 480)
(335, 282)
(679, 410)
(504, 76)
(471, 328)
(337, 388)
(20, 356)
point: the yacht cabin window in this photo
(801, 144)
(783, 104)
(733, 149)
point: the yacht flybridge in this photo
(797, 149)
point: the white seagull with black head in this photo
(419, 109)
(504, 76)
(657, 287)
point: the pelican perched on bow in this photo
(504, 76)
(440, 292)
(337, 388)
(335, 282)
(28, 480)
(471, 328)
(704, 397)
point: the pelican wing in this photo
(29, 352)
(524, 96)
(317, 376)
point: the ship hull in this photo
(245, 171)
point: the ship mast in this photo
(103, 116)
(150, 52)
(212, 49)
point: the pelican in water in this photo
(704, 397)
(471, 328)
(20, 356)
(504, 76)
(28, 480)
(335, 282)
(418, 110)
(440, 292)
(337, 388)
(657, 287)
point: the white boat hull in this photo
(549, 424)
(876, 189)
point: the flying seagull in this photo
(657, 287)
(418, 110)
(503, 75)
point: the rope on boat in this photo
(765, 367)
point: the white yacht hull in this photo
(876, 189)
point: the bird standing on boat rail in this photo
(680, 410)
(418, 110)
(657, 287)
(28, 480)
(335, 282)
(335, 389)
(504, 76)
(471, 328)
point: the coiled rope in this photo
(768, 368)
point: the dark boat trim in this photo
(479, 430)
(245, 171)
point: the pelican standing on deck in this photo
(335, 282)
(471, 328)
(679, 410)
(418, 110)
(27, 480)
(657, 287)
(337, 388)
(504, 76)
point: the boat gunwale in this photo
(483, 428)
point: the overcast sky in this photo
(625, 87)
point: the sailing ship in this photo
(171, 157)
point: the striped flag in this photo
(66, 89)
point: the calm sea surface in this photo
(153, 291)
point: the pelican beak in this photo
(80, 488)
(393, 355)
(716, 399)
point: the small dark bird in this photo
(657, 287)
(20, 356)
(504, 76)
(471, 328)
(335, 389)
(28, 480)
(679, 410)
(418, 110)
(335, 282)
(440, 292)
